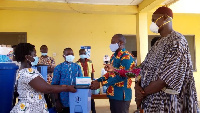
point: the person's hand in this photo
(139, 92)
(139, 95)
(138, 111)
(109, 67)
(138, 103)
(95, 85)
(71, 88)
(59, 107)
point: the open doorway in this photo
(131, 45)
(12, 38)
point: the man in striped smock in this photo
(167, 84)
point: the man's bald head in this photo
(121, 38)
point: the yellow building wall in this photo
(61, 30)
(188, 24)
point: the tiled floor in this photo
(106, 109)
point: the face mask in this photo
(44, 54)
(154, 28)
(114, 47)
(69, 58)
(35, 62)
(83, 56)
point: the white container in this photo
(83, 81)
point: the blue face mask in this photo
(83, 56)
(69, 58)
(35, 62)
(44, 54)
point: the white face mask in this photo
(114, 47)
(69, 58)
(154, 28)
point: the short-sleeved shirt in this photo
(65, 74)
(47, 61)
(31, 101)
(169, 60)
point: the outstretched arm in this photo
(42, 86)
